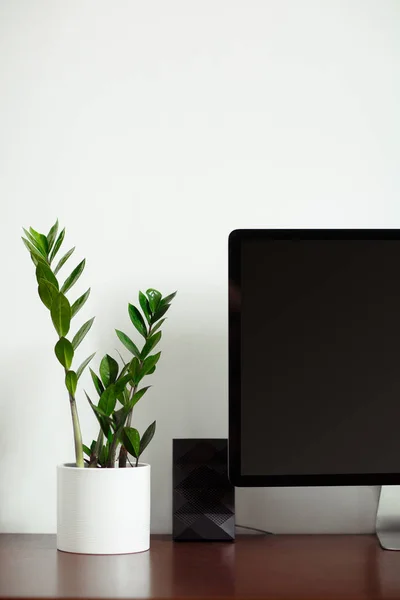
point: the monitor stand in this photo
(388, 517)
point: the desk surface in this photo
(278, 567)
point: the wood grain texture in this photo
(276, 567)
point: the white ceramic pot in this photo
(103, 511)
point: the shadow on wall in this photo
(348, 509)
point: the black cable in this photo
(262, 531)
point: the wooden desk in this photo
(275, 567)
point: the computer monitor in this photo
(314, 357)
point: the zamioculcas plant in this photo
(43, 250)
(119, 390)
(87, 525)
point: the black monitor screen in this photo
(315, 358)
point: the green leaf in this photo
(137, 396)
(97, 383)
(108, 400)
(61, 314)
(71, 381)
(167, 299)
(81, 333)
(119, 417)
(32, 240)
(47, 292)
(124, 397)
(73, 278)
(57, 245)
(134, 369)
(122, 360)
(104, 425)
(100, 416)
(44, 272)
(151, 370)
(147, 437)
(77, 305)
(100, 413)
(123, 371)
(64, 352)
(125, 377)
(160, 313)
(87, 450)
(63, 260)
(154, 297)
(83, 366)
(88, 399)
(121, 389)
(154, 329)
(37, 244)
(127, 342)
(103, 458)
(108, 370)
(137, 320)
(35, 253)
(121, 383)
(148, 364)
(150, 344)
(51, 236)
(41, 240)
(145, 306)
(113, 424)
(131, 440)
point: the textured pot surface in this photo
(103, 511)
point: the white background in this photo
(152, 129)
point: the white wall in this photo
(151, 129)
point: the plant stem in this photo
(122, 458)
(123, 454)
(112, 453)
(80, 461)
(135, 387)
(77, 433)
(133, 392)
(113, 447)
(95, 458)
(99, 443)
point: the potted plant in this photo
(103, 500)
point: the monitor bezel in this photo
(236, 238)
